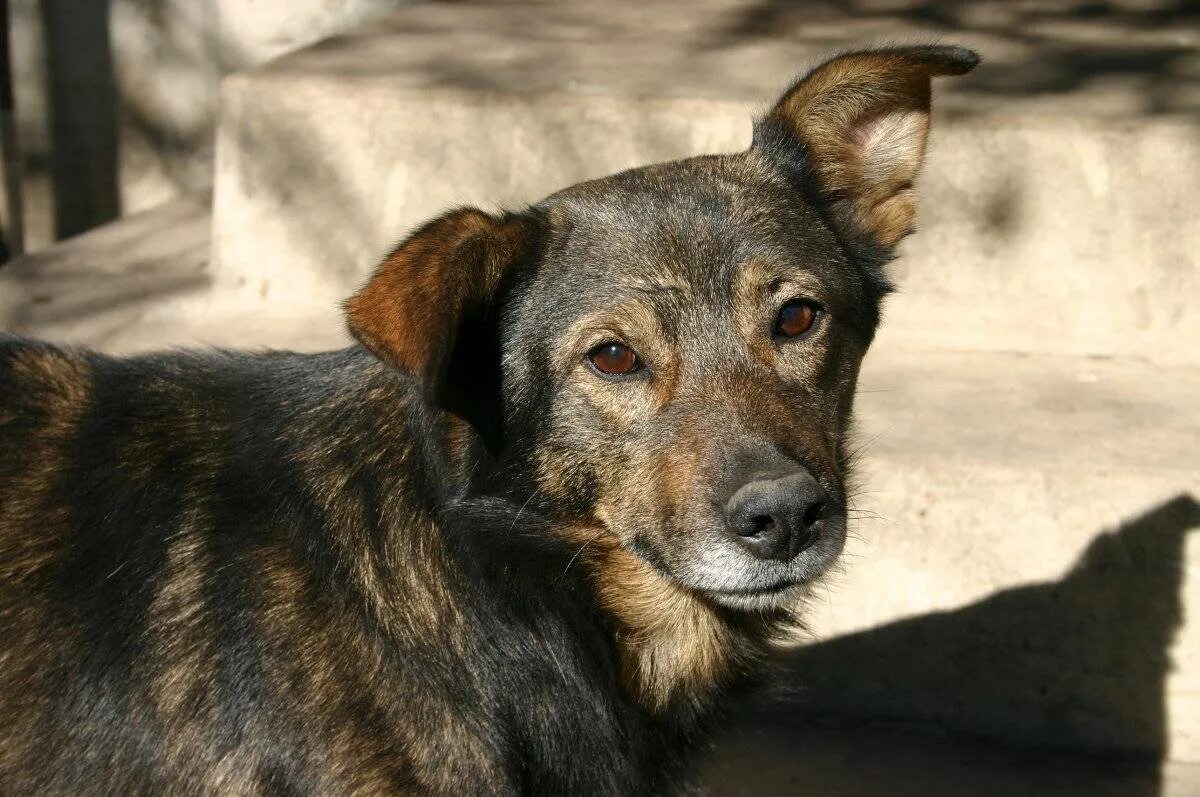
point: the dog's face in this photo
(682, 362)
(670, 353)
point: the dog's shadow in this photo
(1081, 661)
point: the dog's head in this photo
(670, 353)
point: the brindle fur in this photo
(453, 560)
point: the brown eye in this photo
(614, 359)
(796, 317)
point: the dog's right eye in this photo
(614, 359)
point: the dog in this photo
(530, 535)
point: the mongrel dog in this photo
(565, 496)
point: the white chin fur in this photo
(758, 601)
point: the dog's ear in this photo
(421, 301)
(858, 124)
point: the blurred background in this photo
(1017, 612)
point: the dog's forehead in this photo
(686, 226)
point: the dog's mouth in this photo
(777, 588)
(714, 567)
(727, 575)
(737, 595)
(767, 598)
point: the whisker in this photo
(580, 551)
(522, 509)
(862, 448)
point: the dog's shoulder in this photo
(43, 383)
(30, 366)
(33, 370)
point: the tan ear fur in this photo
(863, 119)
(408, 311)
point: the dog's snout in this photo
(777, 518)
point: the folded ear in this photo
(859, 123)
(412, 310)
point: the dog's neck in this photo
(674, 647)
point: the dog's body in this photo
(526, 538)
(184, 619)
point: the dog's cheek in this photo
(615, 408)
(566, 480)
(807, 412)
(576, 458)
(625, 497)
(591, 425)
(630, 500)
(832, 393)
(680, 478)
(648, 494)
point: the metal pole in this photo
(9, 141)
(81, 90)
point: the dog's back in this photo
(164, 564)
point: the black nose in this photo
(777, 518)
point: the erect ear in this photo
(859, 123)
(412, 310)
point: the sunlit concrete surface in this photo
(1062, 175)
(144, 283)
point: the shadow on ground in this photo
(1076, 663)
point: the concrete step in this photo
(1057, 206)
(1021, 566)
(95, 286)
(144, 282)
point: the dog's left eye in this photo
(614, 359)
(796, 318)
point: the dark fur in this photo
(448, 561)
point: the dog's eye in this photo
(796, 317)
(614, 359)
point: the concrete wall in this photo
(166, 59)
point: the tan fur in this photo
(675, 470)
(315, 668)
(62, 386)
(671, 643)
(182, 659)
(418, 571)
(864, 119)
